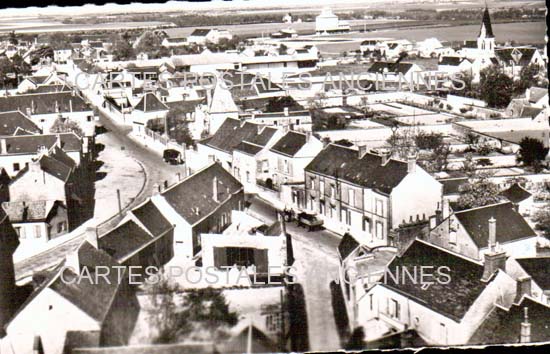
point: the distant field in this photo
(520, 32)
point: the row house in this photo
(45, 108)
(149, 107)
(289, 156)
(220, 146)
(368, 194)
(442, 296)
(467, 231)
(37, 222)
(17, 123)
(32, 83)
(17, 152)
(251, 157)
(200, 203)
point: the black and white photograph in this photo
(254, 176)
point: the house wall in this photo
(244, 169)
(464, 245)
(408, 200)
(47, 316)
(183, 244)
(206, 154)
(37, 185)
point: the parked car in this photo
(173, 157)
(310, 221)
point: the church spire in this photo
(486, 28)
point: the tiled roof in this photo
(29, 144)
(94, 298)
(44, 103)
(10, 121)
(451, 298)
(50, 89)
(152, 218)
(510, 224)
(248, 148)
(124, 240)
(231, 133)
(525, 54)
(470, 44)
(31, 211)
(503, 326)
(515, 193)
(192, 198)
(290, 143)
(259, 342)
(347, 245)
(382, 66)
(150, 103)
(55, 168)
(344, 163)
(449, 60)
(263, 138)
(200, 32)
(538, 268)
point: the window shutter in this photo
(220, 257)
(260, 260)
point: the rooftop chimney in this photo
(525, 336)
(308, 137)
(445, 212)
(411, 163)
(286, 111)
(523, 287)
(91, 236)
(495, 258)
(492, 234)
(385, 157)
(3, 146)
(362, 150)
(215, 189)
(58, 140)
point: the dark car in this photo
(310, 221)
(173, 157)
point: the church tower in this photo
(8, 290)
(486, 38)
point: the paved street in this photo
(317, 266)
(156, 171)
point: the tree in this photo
(531, 153)
(479, 191)
(64, 125)
(20, 66)
(178, 129)
(59, 40)
(528, 76)
(122, 49)
(542, 220)
(428, 141)
(495, 87)
(6, 68)
(469, 165)
(402, 142)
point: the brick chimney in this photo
(411, 163)
(385, 157)
(445, 209)
(525, 335)
(215, 189)
(3, 146)
(362, 150)
(91, 236)
(495, 258)
(523, 287)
